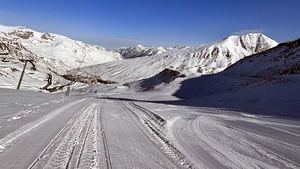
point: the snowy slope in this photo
(59, 51)
(282, 60)
(266, 67)
(52, 55)
(206, 59)
(267, 83)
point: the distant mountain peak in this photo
(140, 51)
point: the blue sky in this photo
(113, 23)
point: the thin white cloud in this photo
(244, 31)
(109, 42)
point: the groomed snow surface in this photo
(39, 130)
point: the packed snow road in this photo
(83, 133)
(52, 131)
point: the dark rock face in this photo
(47, 36)
(15, 49)
(4, 50)
(24, 34)
(262, 45)
(86, 79)
(215, 52)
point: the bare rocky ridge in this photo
(22, 33)
(12, 48)
(47, 36)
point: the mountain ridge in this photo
(56, 56)
(207, 59)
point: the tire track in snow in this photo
(84, 143)
(152, 125)
(55, 139)
(210, 139)
(90, 155)
(6, 141)
(77, 150)
(76, 146)
(107, 156)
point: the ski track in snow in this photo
(77, 145)
(222, 141)
(83, 142)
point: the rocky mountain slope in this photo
(266, 83)
(61, 52)
(38, 73)
(207, 59)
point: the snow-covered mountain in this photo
(141, 51)
(51, 56)
(282, 60)
(55, 55)
(206, 59)
(61, 52)
(274, 67)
